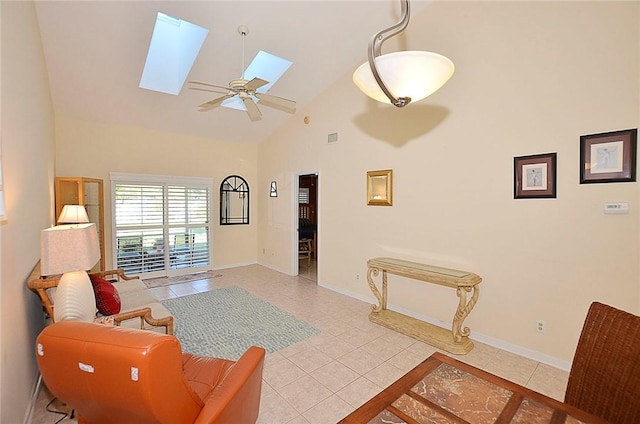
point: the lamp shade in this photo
(414, 74)
(73, 214)
(66, 248)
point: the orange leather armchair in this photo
(118, 375)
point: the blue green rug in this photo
(224, 322)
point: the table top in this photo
(444, 390)
(430, 273)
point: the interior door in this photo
(308, 226)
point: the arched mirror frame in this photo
(234, 201)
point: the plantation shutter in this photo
(160, 227)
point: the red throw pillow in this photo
(107, 297)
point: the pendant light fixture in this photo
(401, 77)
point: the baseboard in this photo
(482, 338)
(226, 266)
(28, 416)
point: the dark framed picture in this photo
(608, 157)
(534, 177)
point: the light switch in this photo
(616, 208)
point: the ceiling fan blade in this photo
(252, 108)
(214, 103)
(280, 103)
(208, 84)
(255, 83)
(209, 91)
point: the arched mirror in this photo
(234, 201)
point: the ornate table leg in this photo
(463, 311)
(382, 298)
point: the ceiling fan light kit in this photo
(401, 77)
(249, 91)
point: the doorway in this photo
(308, 226)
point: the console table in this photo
(455, 341)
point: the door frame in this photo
(294, 196)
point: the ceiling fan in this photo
(243, 93)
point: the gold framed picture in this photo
(380, 188)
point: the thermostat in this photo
(616, 208)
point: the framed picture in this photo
(608, 157)
(534, 176)
(380, 188)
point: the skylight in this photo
(265, 65)
(174, 46)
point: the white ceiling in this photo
(95, 53)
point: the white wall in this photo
(27, 159)
(94, 150)
(531, 77)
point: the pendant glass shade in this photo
(414, 74)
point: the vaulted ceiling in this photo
(95, 52)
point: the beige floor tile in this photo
(398, 339)
(295, 348)
(281, 373)
(480, 355)
(511, 367)
(358, 336)
(163, 293)
(360, 361)
(335, 347)
(183, 289)
(381, 348)
(329, 411)
(304, 393)
(384, 374)
(310, 360)
(550, 381)
(335, 376)
(406, 360)
(274, 409)
(359, 392)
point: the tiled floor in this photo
(324, 378)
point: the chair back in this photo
(116, 375)
(605, 373)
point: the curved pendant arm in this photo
(375, 46)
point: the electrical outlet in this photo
(357, 276)
(541, 326)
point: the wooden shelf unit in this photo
(88, 192)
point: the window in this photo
(161, 224)
(303, 195)
(234, 201)
(174, 46)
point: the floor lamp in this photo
(71, 250)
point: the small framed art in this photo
(534, 176)
(380, 188)
(608, 157)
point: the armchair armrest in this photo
(145, 318)
(237, 397)
(119, 273)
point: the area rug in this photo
(224, 322)
(166, 281)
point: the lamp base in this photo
(74, 299)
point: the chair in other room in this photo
(605, 373)
(305, 250)
(119, 375)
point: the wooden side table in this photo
(455, 341)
